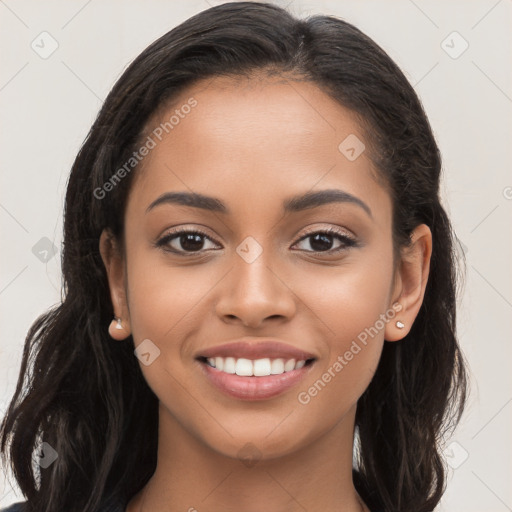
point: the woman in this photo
(260, 281)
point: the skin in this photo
(253, 143)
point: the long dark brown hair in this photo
(86, 396)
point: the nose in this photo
(254, 293)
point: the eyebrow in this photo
(291, 205)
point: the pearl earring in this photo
(118, 325)
(400, 325)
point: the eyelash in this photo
(347, 241)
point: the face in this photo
(265, 258)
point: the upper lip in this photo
(256, 349)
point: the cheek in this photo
(349, 298)
(167, 307)
(164, 299)
(351, 305)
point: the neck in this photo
(191, 476)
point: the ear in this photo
(113, 259)
(410, 282)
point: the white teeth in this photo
(229, 365)
(257, 368)
(261, 367)
(289, 365)
(243, 367)
(277, 366)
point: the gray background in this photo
(48, 104)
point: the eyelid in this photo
(331, 230)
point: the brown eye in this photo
(323, 241)
(184, 241)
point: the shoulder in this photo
(111, 505)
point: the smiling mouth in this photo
(263, 367)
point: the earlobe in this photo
(412, 280)
(396, 327)
(117, 330)
(112, 257)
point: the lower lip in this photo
(254, 388)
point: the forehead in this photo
(253, 141)
(245, 113)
